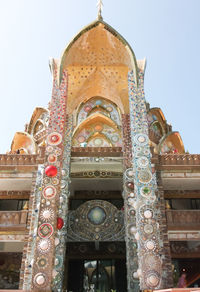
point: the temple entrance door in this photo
(96, 273)
(96, 252)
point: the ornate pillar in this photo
(44, 267)
(146, 203)
(129, 211)
(32, 223)
(61, 234)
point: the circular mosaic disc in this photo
(144, 176)
(40, 280)
(49, 192)
(141, 139)
(49, 149)
(58, 151)
(115, 138)
(47, 214)
(131, 201)
(52, 158)
(45, 230)
(42, 262)
(81, 139)
(55, 181)
(143, 162)
(54, 138)
(150, 245)
(98, 142)
(96, 215)
(146, 212)
(148, 228)
(152, 279)
(44, 245)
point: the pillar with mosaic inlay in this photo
(147, 234)
(129, 211)
(44, 263)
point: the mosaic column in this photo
(129, 211)
(145, 188)
(61, 235)
(34, 203)
(48, 219)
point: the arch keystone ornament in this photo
(145, 187)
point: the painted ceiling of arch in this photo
(98, 124)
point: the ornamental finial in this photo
(100, 7)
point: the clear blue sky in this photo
(166, 32)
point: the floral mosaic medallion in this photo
(55, 181)
(44, 245)
(98, 142)
(141, 139)
(49, 192)
(47, 214)
(148, 228)
(52, 158)
(144, 176)
(146, 212)
(57, 151)
(150, 245)
(49, 149)
(40, 280)
(42, 262)
(54, 139)
(45, 230)
(143, 162)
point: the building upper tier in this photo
(96, 64)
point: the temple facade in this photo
(98, 193)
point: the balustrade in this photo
(13, 219)
(179, 159)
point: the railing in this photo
(13, 219)
(183, 219)
(96, 151)
(17, 159)
(179, 159)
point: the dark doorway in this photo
(98, 275)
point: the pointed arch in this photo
(132, 60)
